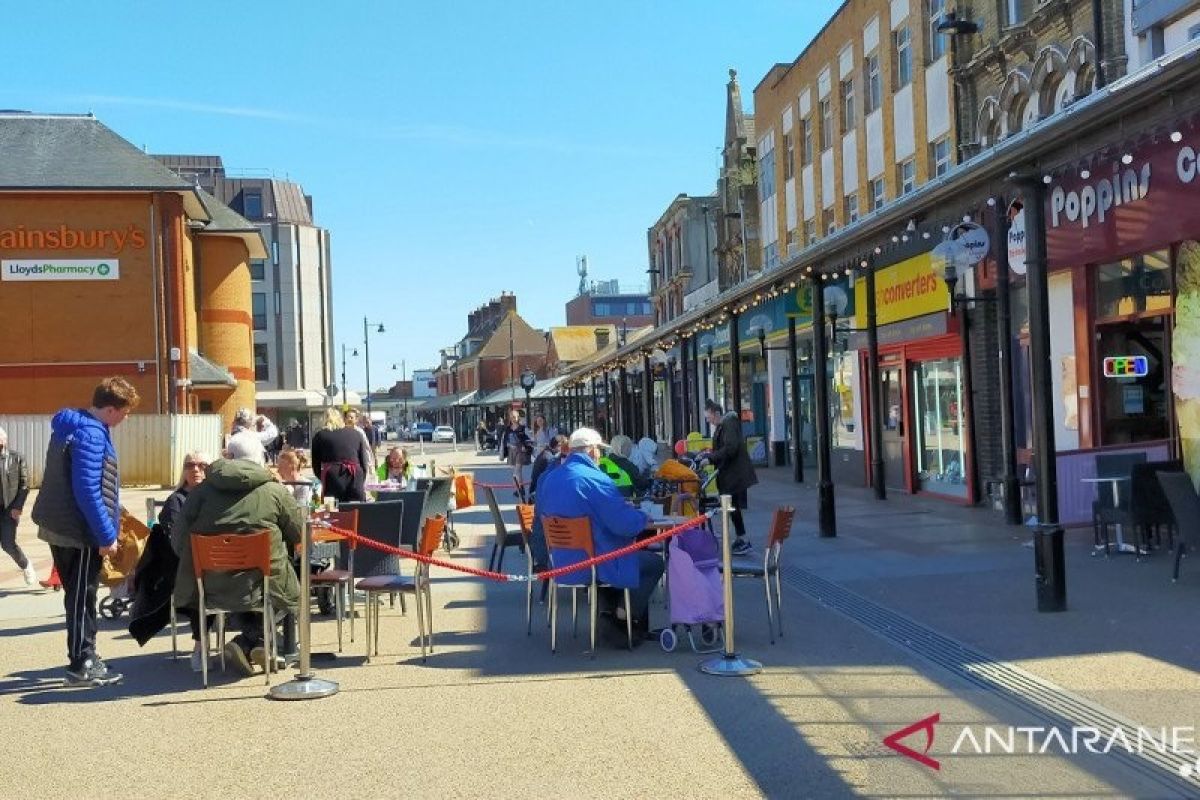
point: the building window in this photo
(601, 310)
(806, 144)
(766, 176)
(850, 207)
(771, 255)
(940, 155)
(262, 371)
(904, 64)
(877, 195)
(937, 41)
(906, 174)
(810, 232)
(831, 228)
(789, 158)
(825, 109)
(258, 269)
(848, 105)
(874, 88)
(259, 309)
(252, 205)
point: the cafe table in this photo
(1115, 481)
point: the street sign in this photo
(332, 390)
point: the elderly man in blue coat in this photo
(579, 488)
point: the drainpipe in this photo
(1098, 35)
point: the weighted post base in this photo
(300, 688)
(731, 665)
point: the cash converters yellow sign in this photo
(902, 291)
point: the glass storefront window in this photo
(1134, 285)
(938, 412)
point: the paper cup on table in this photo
(331, 504)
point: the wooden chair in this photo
(575, 534)
(506, 537)
(340, 580)
(781, 528)
(224, 551)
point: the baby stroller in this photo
(116, 571)
(489, 442)
(694, 592)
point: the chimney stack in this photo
(602, 337)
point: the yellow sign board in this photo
(902, 291)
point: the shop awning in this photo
(443, 401)
(302, 398)
(205, 374)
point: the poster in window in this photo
(1133, 400)
(1070, 395)
(1185, 355)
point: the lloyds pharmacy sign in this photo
(61, 269)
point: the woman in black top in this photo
(195, 468)
(340, 458)
(517, 447)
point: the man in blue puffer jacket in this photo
(78, 513)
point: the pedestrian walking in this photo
(14, 487)
(78, 512)
(517, 446)
(735, 472)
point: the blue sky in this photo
(453, 149)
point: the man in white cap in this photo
(579, 488)
(14, 488)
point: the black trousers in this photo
(739, 501)
(8, 539)
(79, 570)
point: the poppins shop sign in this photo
(1147, 197)
(61, 269)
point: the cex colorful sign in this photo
(1126, 367)
(902, 291)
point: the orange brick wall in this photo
(225, 321)
(58, 338)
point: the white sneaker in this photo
(30, 574)
(197, 658)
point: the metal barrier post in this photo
(730, 663)
(305, 686)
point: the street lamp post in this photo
(367, 359)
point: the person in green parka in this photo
(239, 495)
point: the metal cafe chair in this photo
(506, 537)
(340, 580)
(781, 528)
(1185, 506)
(223, 551)
(575, 534)
(525, 518)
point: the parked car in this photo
(423, 431)
(443, 433)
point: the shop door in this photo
(895, 438)
(807, 448)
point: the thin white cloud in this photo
(197, 108)
(447, 135)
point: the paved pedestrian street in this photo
(493, 713)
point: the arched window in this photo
(988, 123)
(1081, 68)
(1016, 110)
(1049, 70)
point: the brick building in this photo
(683, 265)
(737, 193)
(113, 265)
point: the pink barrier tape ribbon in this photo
(502, 577)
